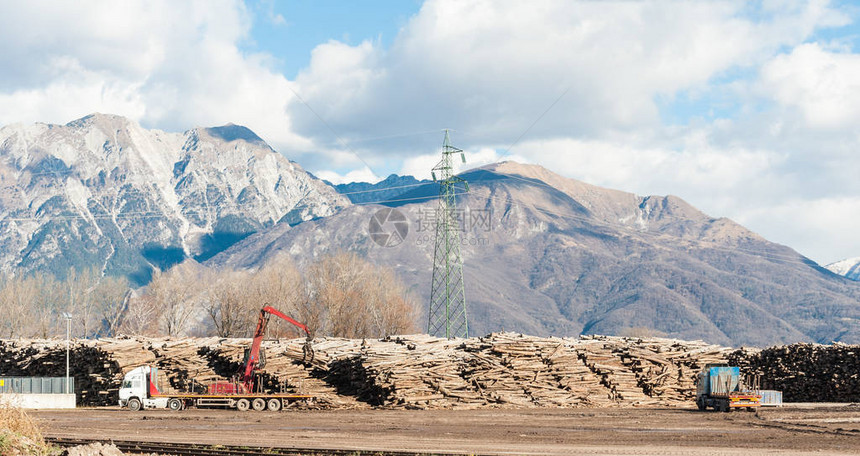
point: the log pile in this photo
(805, 372)
(97, 375)
(649, 371)
(418, 371)
(522, 371)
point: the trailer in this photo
(719, 387)
(140, 391)
(140, 386)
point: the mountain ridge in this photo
(544, 254)
(102, 190)
(580, 259)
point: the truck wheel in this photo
(274, 404)
(724, 406)
(174, 404)
(259, 404)
(700, 403)
(243, 405)
(134, 404)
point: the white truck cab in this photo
(138, 389)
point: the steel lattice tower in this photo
(448, 295)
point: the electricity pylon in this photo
(448, 295)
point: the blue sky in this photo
(748, 110)
(310, 23)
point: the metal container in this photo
(771, 398)
(723, 380)
(36, 385)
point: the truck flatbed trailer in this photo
(241, 402)
(718, 387)
(139, 392)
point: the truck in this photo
(140, 386)
(719, 387)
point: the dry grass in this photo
(17, 421)
(20, 433)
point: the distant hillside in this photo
(561, 257)
(384, 191)
(103, 192)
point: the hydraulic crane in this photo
(253, 358)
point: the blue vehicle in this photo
(719, 387)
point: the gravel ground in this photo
(792, 430)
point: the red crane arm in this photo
(254, 354)
(274, 311)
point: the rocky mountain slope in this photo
(547, 255)
(386, 190)
(102, 191)
(849, 268)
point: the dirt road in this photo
(787, 431)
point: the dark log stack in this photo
(97, 375)
(418, 371)
(806, 372)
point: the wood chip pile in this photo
(806, 372)
(419, 371)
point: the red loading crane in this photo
(253, 359)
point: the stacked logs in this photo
(418, 371)
(649, 371)
(522, 371)
(805, 372)
(97, 376)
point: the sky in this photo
(748, 110)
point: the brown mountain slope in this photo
(563, 257)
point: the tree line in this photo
(339, 295)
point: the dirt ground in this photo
(792, 430)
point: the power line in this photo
(537, 120)
(333, 132)
(394, 136)
(153, 214)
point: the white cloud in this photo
(420, 166)
(357, 175)
(165, 64)
(822, 229)
(713, 179)
(490, 70)
(824, 86)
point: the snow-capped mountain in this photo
(103, 191)
(849, 268)
(549, 255)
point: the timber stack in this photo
(805, 372)
(422, 372)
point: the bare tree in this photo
(175, 294)
(395, 312)
(228, 304)
(350, 297)
(111, 297)
(279, 283)
(78, 289)
(47, 305)
(16, 297)
(141, 317)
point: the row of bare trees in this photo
(34, 306)
(340, 295)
